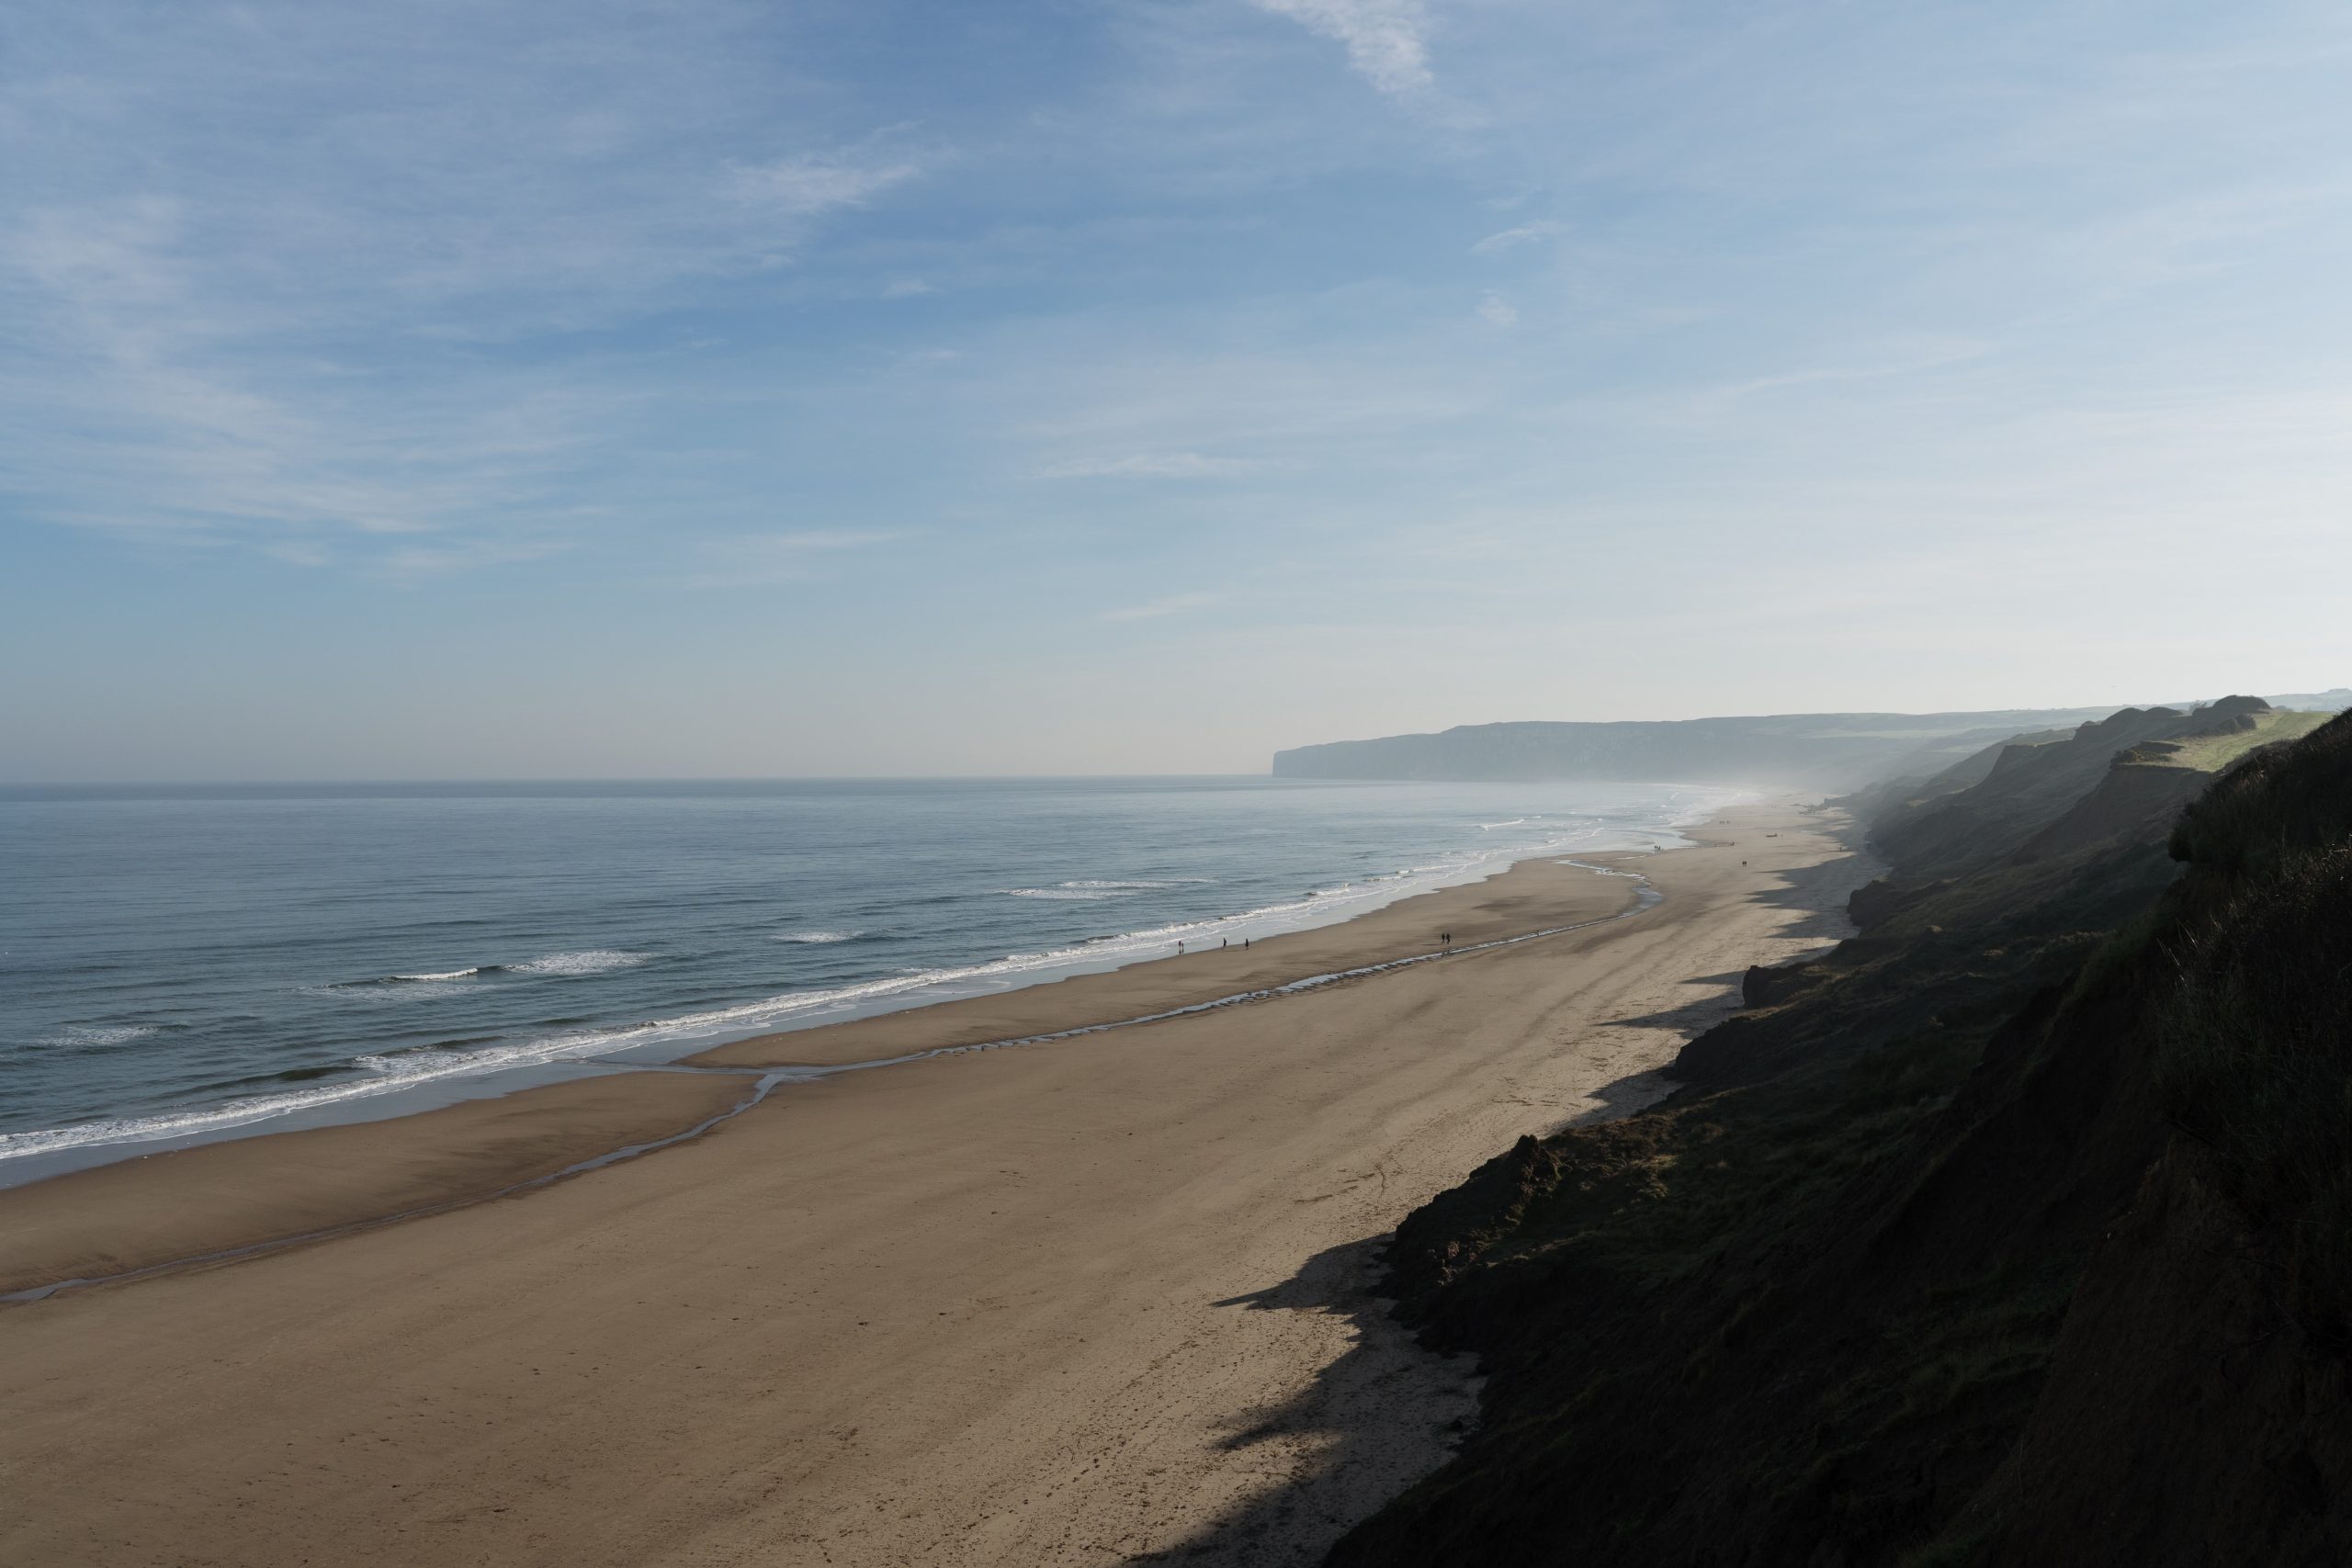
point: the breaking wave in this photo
(583, 1026)
(594, 961)
(90, 1036)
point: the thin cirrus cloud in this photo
(599, 297)
(768, 560)
(1173, 604)
(1513, 239)
(1151, 465)
(1384, 37)
(812, 184)
(1498, 311)
(215, 330)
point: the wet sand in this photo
(1069, 1303)
(1532, 896)
(140, 1212)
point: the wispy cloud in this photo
(813, 183)
(216, 329)
(1908, 360)
(768, 560)
(175, 404)
(1496, 310)
(1384, 37)
(1173, 604)
(439, 561)
(1512, 238)
(1151, 465)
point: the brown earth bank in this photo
(1070, 1302)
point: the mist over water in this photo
(178, 962)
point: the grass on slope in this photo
(2212, 753)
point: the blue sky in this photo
(455, 390)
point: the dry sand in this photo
(1070, 1302)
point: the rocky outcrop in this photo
(1762, 986)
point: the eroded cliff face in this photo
(2184, 1418)
(2031, 788)
(2017, 1232)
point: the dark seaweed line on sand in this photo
(1647, 896)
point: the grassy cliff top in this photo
(2212, 753)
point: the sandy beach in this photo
(1077, 1302)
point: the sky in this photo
(533, 390)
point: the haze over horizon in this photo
(511, 391)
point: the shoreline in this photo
(1085, 1301)
(360, 1102)
(1398, 932)
(178, 1208)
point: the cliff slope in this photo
(2018, 1230)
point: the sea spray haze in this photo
(190, 962)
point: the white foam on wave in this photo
(1087, 889)
(79, 1035)
(218, 1118)
(821, 937)
(394, 991)
(390, 1074)
(387, 1074)
(435, 982)
(596, 960)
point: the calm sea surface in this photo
(192, 962)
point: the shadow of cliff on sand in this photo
(1621, 1096)
(1717, 999)
(1817, 893)
(1387, 1413)
(1373, 1422)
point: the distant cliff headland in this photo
(1829, 751)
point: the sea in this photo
(179, 964)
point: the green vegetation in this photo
(2215, 752)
